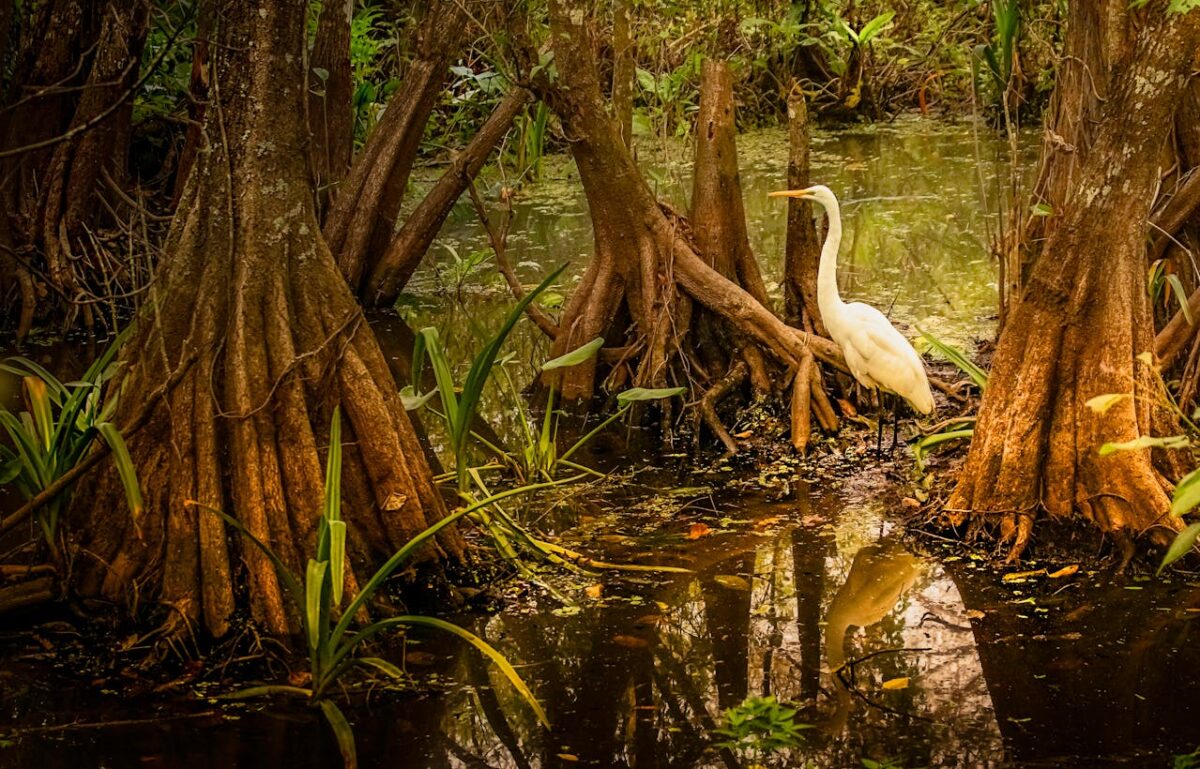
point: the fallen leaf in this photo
(910, 503)
(1023, 575)
(974, 614)
(895, 683)
(630, 641)
(1065, 571)
(743, 435)
(732, 581)
(762, 523)
(698, 530)
(568, 757)
(594, 591)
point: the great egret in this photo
(878, 355)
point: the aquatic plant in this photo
(960, 428)
(759, 728)
(326, 624)
(61, 424)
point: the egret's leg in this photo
(879, 422)
(895, 423)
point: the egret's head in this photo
(818, 194)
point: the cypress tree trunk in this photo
(249, 340)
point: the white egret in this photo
(878, 355)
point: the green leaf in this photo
(39, 406)
(958, 358)
(1184, 541)
(314, 585)
(576, 356)
(341, 731)
(1041, 209)
(411, 400)
(1180, 297)
(1146, 442)
(639, 394)
(125, 469)
(1187, 494)
(489, 651)
(337, 559)
(383, 666)
(333, 468)
(874, 27)
(1102, 403)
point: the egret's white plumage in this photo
(877, 354)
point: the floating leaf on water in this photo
(568, 757)
(594, 591)
(1021, 576)
(1065, 571)
(894, 684)
(974, 614)
(732, 581)
(566, 611)
(698, 530)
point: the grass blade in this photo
(958, 358)
(125, 469)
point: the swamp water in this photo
(797, 570)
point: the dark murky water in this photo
(789, 584)
(1078, 671)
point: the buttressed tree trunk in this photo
(249, 341)
(647, 273)
(1083, 320)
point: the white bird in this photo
(878, 355)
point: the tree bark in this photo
(362, 220)
(250, 340)
(1082, 321)
(391, 271)
(803, 251)
(647, 271)
(624, 70)
(331, 98)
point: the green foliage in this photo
(760, 728)
(59, 427)
(958, 358)
(1186, 760)
(372, 36)
(459, 409)
(326, 623)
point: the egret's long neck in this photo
(828, 299)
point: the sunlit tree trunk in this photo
(1081, 323)
(249, 340)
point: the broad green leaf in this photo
(1102, 403)
(576, 356)
(1183, 543)
(1041, 209)
(1187, 494)
(1146, 442)
(337, 559)
(125, 469)
(639, 394)
(874, 27)
(342, 731)
(333, 468)
(489, 651)
(314, 583)
(39, 407)
(958, 358)
(1180, 296)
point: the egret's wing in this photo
(887, 357)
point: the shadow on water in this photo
(784, 595)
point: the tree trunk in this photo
(624, 70)
(331, 98)
(639, 288)
(803, 251)
(250, 340)
(391, 271)
(362, 220)
(78, 163)
(1082, 321)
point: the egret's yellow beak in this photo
(790, 194)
